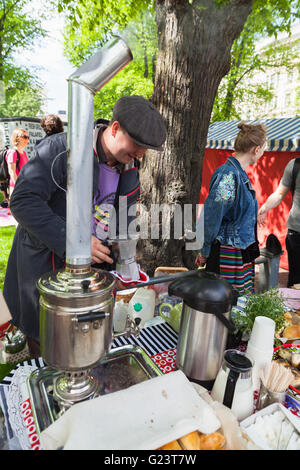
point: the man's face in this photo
(122, 148)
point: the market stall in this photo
(153, 356)
(283, 139)
(163, 366)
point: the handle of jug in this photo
(91, 316)
(230, 387)
(228, 323)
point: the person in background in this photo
(230, 244)
(52, 124)
(16, 157)
(39, 203)
(290, 181)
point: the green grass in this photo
(6, 239)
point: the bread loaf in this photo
(197, 441)
(291, 331)
(174, 445)
(214, 441)
(191, 441)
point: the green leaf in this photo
(269, 304)
(268, 18)
(19, 29)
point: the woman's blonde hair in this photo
(17, 134)
(250, 135)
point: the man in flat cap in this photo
(38, 203)
(135, 126)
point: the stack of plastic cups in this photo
(261, 346)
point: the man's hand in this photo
(100, 252)
(121, 286)
(272, 202)
(200, 260)
(262, 215)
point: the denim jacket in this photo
(230, 209)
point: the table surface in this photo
(159, 341)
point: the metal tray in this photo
(118, 370)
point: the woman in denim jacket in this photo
(230, 213)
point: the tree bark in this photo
(194, 43)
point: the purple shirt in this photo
(104, 199)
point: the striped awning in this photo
(283, 134)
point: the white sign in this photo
(32, 126)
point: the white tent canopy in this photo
(283, 134)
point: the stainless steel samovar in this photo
(76, 303)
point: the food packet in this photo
(235, 438)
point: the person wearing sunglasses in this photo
(16, 156)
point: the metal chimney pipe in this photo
(83, 85)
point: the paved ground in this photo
(283, 278)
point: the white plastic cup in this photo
(262, 358)
(261, 346)
(262, 334)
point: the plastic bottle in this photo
(142, 305)
(119, 317)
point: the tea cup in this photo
(171, 314)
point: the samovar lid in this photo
(63, 283)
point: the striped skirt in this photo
(240, 275)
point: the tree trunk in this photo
(194, 43)
(228, 100)
(233, 81)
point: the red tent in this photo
(283, 136)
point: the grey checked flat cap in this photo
(141, 120)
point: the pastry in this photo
(197, 441)
(190, 441)
(295, 359)
(214, 441)
(291, 331)
(174, 445)
(296, 382)
(285, 354)
(288, 316)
